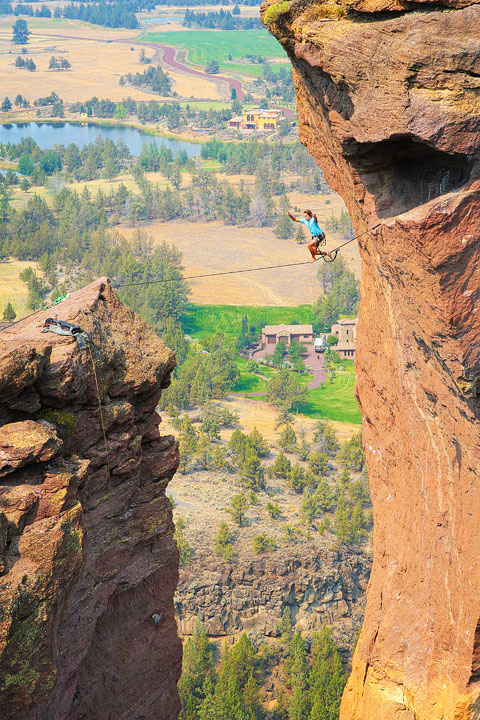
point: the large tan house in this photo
(257, 119)
(346, 331)
(272, 334)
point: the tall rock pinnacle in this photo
(389, 106)
(88, 563)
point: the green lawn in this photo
(200, 321)
(249, 382)
(335, 400)
(205, 45)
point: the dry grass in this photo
(215, 247)
(96, 64)
(202, 498)
(12, 289)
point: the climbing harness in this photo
(62, 327)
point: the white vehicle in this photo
(319, 345)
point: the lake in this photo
(46, 135)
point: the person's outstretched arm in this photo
(292, 217)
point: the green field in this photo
(335, 400)
(200, 321)
(205, 45)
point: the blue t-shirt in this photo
(312, 225)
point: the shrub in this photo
(273, 510)
(263, 543)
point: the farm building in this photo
(346, 332)
(272, 334)
(256, 119)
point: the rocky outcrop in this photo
(389, 107)
(314, 584)
(88, 561)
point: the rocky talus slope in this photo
(389, 105)
(88, 561)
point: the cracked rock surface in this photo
(389, 106)
(87, 554)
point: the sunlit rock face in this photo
(87, 551)
(389, 106)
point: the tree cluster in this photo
(112, 15)
(313, 672)
(153, 79)
(26, 63)
(341, 294)
(222, 20)
(60, 63)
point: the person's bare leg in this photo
(313, 251)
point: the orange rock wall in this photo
(87, 556)
(389, 107)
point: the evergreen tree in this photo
(251, 471)
(318, 464)
(184, 548)
(224, 542)
(326, 678)
(297, 478)
(9, 313)
(258, 442)
(287, 440)
(6, 105)
(20, 32)
(283, 229)
(238, 506)
(281, 467)
(197, 672)
(300, 235)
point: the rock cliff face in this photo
(251, 594)
(390, 108)
(88, 561)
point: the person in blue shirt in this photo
(318, 236)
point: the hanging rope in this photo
(101, 419)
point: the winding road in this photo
(168, 57)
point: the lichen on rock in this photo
(87, 551)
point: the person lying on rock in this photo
(318, 236)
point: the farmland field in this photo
(205, 45)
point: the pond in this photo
(161, 20)
(46, 135)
